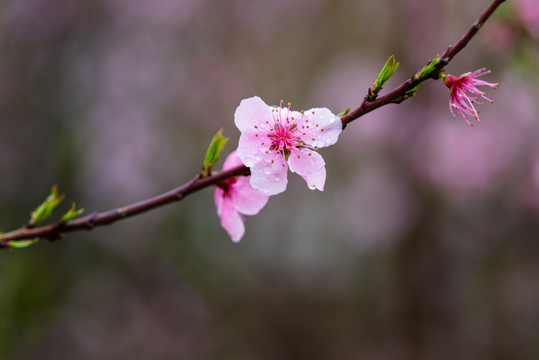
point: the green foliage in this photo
(22, 243)
(212, 155)
(427, 70)
(44, 210)
(71, 214)
(387, 71)
(343, 113)
(411, 92)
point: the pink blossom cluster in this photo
(273, 139)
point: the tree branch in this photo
(399, 94)
(55, 231)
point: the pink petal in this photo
(245, 199)
(218, 199)
(251, 149)
(269, 175)
(231, 220)
(310, 165)
(251, 112)
(323, 127)
(232, 160)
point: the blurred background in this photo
(424, 244)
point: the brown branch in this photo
(55, 231)
(400, 93)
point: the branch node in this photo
(90, 222)
(121, 212)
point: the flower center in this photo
(226, 185)
(283, 137)
(284, 134)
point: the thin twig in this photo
(399, 94)
(55, 231)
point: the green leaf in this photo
(44, 210)
(411, 92)
(387, 71)
(22, 243)
(428, 69)
(212, 155)
(71, 214)
(343, 113)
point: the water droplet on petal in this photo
(332, 120)
(267, 170)
(276, 178)
(312, 187)
(328, 141)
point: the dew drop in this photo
(332, 120)
(312, 187)
(267, 170)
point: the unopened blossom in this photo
(464, 92)
(234, 197)
(276, 138)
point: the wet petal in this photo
(310, 165)
(322, 127)
(251, 112)
(269, 175)
(251, 149)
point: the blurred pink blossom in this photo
(234, 197)
(500, 36)
(273, 138)
(463, 90)
(528, 11)
(464, 162)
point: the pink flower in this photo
(234, 197)
(463, 90)
(275, 138)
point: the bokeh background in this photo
(424, 244)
